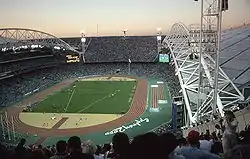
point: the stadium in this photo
(94, 87)
(108, 87)
(93, 99)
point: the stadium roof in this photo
(235, 55)
(4, 39)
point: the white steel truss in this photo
(183, 44)
(16, 37)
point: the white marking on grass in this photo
(97, 101)
(130, 99)
(69, 101)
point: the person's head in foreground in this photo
(75, 149)
(120, 143)
(229, 115)
(89, 147)
(193, 138)
(182, 142)
(168, 144)
(61, 147)
(146, 146)
(74, 144)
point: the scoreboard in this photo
(72, 58)
(164, 58)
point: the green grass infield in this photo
(99, 97)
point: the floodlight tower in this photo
(210, 30)
(83, 42)
(209, 37)
(159, 43)
(129, 60)
(125, 32)
(206, 88)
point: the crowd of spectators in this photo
(25, 64)
(22, 53)
(162, 128)
(99, 49)
(224, 143)
(120, 49)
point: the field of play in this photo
(95, 97)
(92, 108)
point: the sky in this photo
(67, 18)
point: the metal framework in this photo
(17, 37)
(183, 43)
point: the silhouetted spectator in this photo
(40, 147)
(218, 131)
(205, 143)
(229, 135)
(61, 150)
(168, 145)
(20, 150)
(105, 150)
(192, 151)
(242, 150)
(4, 152)
(75, 150)
(146, 146)
(121, 147)
(98, 150)
(89, 147)
(37, 154)
(217, 148)
(182, 142)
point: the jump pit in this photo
(49, 120)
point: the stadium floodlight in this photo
(57, 47)
(159, 32)
(83, 32)
(83, 39)
(125, 32)
(4, 49)
(158, 38)
(159, 44)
